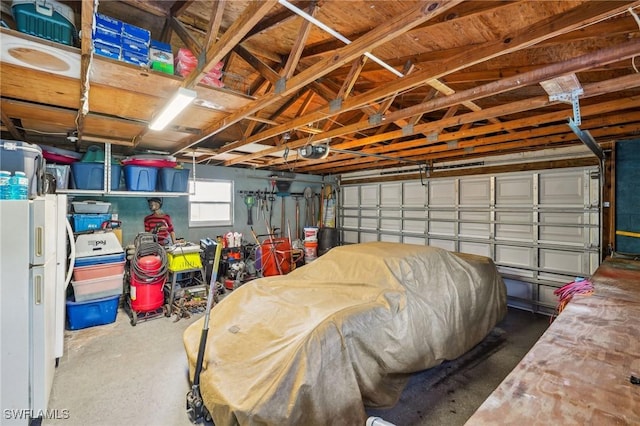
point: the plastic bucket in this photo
(310, 251)
(311, 234)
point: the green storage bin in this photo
(45, 19)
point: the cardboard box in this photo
(108, 23)
(161, 57)
(137, 33)
(134, 58)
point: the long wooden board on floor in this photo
(579, 371)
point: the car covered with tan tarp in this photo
(346, 331)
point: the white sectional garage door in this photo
(541, 228)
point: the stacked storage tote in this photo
(98, 271)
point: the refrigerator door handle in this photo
(72, 252)
(37, 290)
(39, 241)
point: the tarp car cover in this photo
(315, 346)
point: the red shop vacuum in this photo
(147, 277)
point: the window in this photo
(210, 202)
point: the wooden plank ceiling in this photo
(385, 84)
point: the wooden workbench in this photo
(579, 372)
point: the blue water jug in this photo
(5, 185)
(19, 184)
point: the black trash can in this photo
(327, 238)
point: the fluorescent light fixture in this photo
(180, 101)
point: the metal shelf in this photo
(103, 193)
(117, 193)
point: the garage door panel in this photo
(515, 272)
(546, 295)
(442, 228)
(444, 244)
(369, 195)
(560, 279)
(368, 223)
(390, 225)
(350, 196)
(350, 237)
(414, 240)
(442, 214)
(566, 261)
(390, 238)
(415, 194)
(514, 256)
(515, 217)
(391, 194)
(562, 218)
(475, 192)
(366, 237)
(442, 193)
(508, 232)
(474, 230)
(391, 213)
(514, 190)
(518, 289)
(371, 213)
(414, 226)
(514, 226)
(415, 214)
(480, 249)
(475, 224)
(562, 188)
(563, 229)
(350, 222)
(567, 235)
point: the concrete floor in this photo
(118, 374)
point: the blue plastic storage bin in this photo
(173, 180)
(87, 222)
(91, 175)
(140, 178)
(92, 312)
(99, 260)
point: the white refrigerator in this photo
(33, 280)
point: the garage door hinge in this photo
(595, 174)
